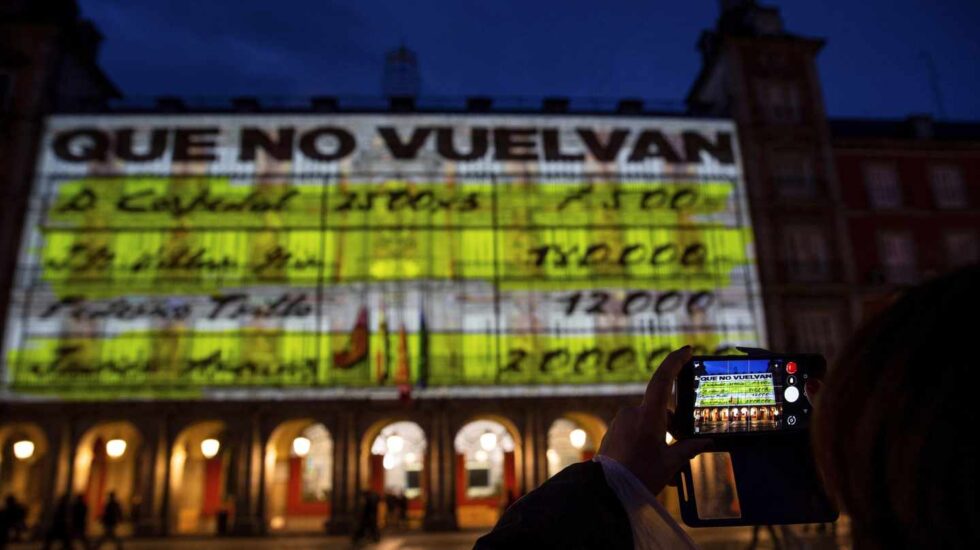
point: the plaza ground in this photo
(734, 538)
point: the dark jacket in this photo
(576, 509)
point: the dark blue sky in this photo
(873, 64)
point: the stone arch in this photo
(107, 465)
(298, 476)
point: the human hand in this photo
(637, 437)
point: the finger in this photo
(676, 455)
(658, 390)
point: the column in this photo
(440, 476)
(345, 472)
(248, 477)
(154, 480)
(58, 466)
(535, 449)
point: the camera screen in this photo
(748, 395)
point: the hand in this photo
(637, 436)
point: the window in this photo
(818, 331)
(793, 174)
(413, 480)
(478, 478)
(947, 186)
(896, 249)
(806, 253)
(780, 101)
(881, 182)
(962, 248)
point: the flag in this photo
(423, 351)
(403, 375)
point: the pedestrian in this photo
(402, 509)
(5, 525)
(16, 519)
(367, 526)
(59, 530)
(391, 509)
(78, 521)
(111, 516)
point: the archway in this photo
(573, 438)
(395, 470)
(199, 465)
(107, 463)
(299, 476)
(23, 459)
(486, 472)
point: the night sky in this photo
(874, 63)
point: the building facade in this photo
(910, 198)
(830, 242)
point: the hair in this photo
(895, 417)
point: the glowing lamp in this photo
(115, 448)
(395, 443)
(23, 449)
(210, 448)
(301, 446)
(577, 438)
(389, 462)
(488, 441)
(481, 456)
(669, 438)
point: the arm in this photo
(574, 509)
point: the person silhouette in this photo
(59, 529)
(111, 517)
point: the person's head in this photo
(112, 495)
(895, 417)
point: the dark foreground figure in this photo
(893, 434)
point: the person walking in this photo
(78, 522)
(59, 530)
(16, 519)
(367, 525)
(111, 517)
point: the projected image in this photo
(373, 259)
(736, 396)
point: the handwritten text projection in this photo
(148, 271)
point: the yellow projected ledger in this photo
(177, 284)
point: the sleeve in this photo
(576, 509)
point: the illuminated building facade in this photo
(239, 319)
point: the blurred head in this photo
(895, 418)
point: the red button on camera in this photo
(791, 368)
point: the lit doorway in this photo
(299, 476)
(107, 466)
(573, 438)
(396, 465)
(24, 457)
(199, 496)
(486, 472)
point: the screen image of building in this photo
(238, 318)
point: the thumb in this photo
(681, 452)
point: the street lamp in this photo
(115, 448)
(577, 437)
(210, 447)
(23, 449)
(301, 446)
(395, 443)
